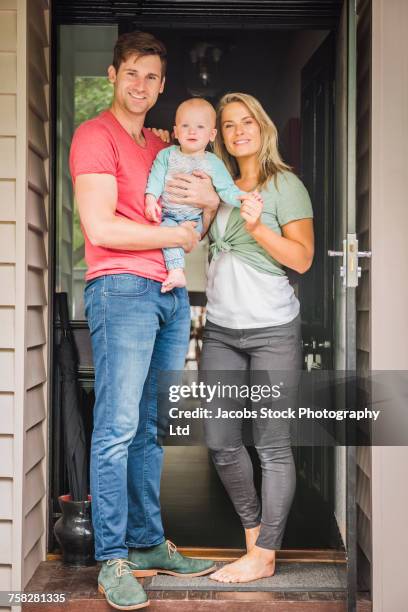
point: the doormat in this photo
(288, 577)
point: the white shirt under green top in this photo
(242, 297)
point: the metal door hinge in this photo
(350, 270)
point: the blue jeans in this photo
(136, 331)
(174, 256)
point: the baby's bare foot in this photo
(258, 563)
(175, 278)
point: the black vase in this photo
(74, 531)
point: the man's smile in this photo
(137, 96)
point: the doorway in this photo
(287, 70)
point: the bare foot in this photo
(258, 563)
(251, 536)
(175, 278)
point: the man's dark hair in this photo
(138, 43)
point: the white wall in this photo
(389, 289)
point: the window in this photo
(83, 91)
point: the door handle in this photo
(350, 271)
(366, 254)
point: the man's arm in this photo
(96, 197)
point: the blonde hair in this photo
(197, 102)
(270, 161)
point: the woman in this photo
(253, 322)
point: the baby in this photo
(194, 129)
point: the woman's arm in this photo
(294, 249)
(208, 216)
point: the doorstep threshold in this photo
(301, 555)
(288, 577)
(80, 586)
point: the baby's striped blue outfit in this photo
(171, 161)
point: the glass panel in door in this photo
(83, 91)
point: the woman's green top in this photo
(285, 201)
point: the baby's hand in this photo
(152, 208)
(257, 196)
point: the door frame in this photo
(300, 19)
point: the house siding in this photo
(8, 130)
(35, 425)
(24, 179)
(363, 340)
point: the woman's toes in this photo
(225, 578)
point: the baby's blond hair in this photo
(197, 102)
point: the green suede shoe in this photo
(120, 587)
(164, 559)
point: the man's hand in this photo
(164, 135)
(251, 210)
(152, 208)
(193, 189)
(188, 235)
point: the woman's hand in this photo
(193, 190)
(164, 135)
(251, 210)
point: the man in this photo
(136, 330)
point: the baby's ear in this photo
(213, 134)
(175, 131)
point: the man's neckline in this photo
(144, 131)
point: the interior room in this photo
(292, 73)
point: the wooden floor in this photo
(80, 587)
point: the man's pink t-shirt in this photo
(102, 146)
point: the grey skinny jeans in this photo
(259, 353)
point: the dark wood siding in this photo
(363, 291)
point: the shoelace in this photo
(171, 548)
(123, 566)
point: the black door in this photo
(316, 464)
